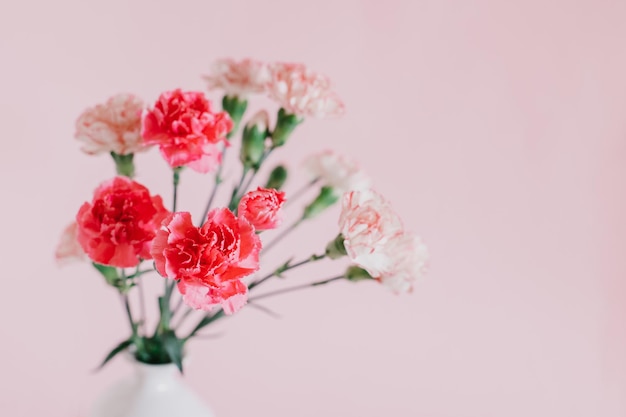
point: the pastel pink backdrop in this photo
(497, 129)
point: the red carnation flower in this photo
(118, 226)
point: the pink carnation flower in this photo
(303, 92)
(238, 78)
(117, 227)
(112, 127)
(208, 261)
(409, 263)
(262, 208)
(68, 248)
(186, 129)
(337, 171)
(367, 223)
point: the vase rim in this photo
(130, 357)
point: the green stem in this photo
(210, 318)
(286, 267)
(281, 235)
(241, 189)
(178, 306)
(218, 181)
(232, 205)
(206, 320)
(256, 170)
(299, 193)
(296, 288)
(183, 317)
(129, 314)
(140, 273)
(142, 303)
(245, 187)
(176, 181)
(165, 303)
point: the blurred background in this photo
(496, 129)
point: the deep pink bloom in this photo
(303, 92)
(238, 78)
(186, 129)
(68, 248)
(262, 208)
(208, 261)
(113, 126)
(118, 226)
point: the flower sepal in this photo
(124, 164)
(326, 198)
(236, 108)
(111, 276)
(355, 274)
(335, 248)
(285, 125)
(253, 141)
(277, 178)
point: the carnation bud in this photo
(277, 178)
(253, 142)
(355, 273)
(325, 199)
(285, 124)
(336, 248)
(235, 107)
(124, 164)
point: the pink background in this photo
(497, 129)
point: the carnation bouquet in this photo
(213, 263)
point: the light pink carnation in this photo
(409, 262)
(238, 78)
(303, 92)
(68, 248)
(112, 127)
(367, 223)
(337, 171)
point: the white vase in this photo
(152, 391)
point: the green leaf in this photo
(174, 348)
(117, 349)
(109, 273)
(284, 267)
(206, 320)
(165, 313)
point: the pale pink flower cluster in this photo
(375, 240)
(337, 171)
(296, 88)
(238, 78)
(303, 92)
(114, 126)
(68, 249)
(410, 262)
